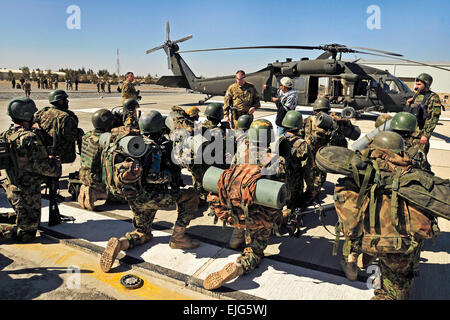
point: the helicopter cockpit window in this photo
(390, 86)
(404, 86)
(361, 87)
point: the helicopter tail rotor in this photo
(169, 46)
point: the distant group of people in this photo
(101, 84)
(69, 84)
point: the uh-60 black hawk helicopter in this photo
(354, 87)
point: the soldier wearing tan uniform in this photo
(128, 89)
(241, 98)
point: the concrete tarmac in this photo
(294, 268)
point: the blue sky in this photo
(34, 33)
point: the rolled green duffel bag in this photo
(339, 160)
(426, 192)
(269, 193)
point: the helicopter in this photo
(353, 87)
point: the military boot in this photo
(112, 249)
(349, 267)
(217, 279)
(237, 238)
(181, 241)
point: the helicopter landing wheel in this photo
(348, 112)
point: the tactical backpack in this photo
(121, 172)
(383, 201)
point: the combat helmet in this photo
(56, 95)
(292, 120)
(425, 78)
(261, 130)
(103, 119)
(151, 122)
(404, 121)
(21, 109)
(130, 104)
(214, 111)
(382, 118)
(244, 122)
(388, 140)
(321, 104)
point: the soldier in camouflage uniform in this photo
(318, 137)
(129, 113)
(130, 93)
(212, 129)
(184, 119)
(59, 118)
(240, 98)
(299, 161)
(128, 89)
(30, 163)
(426, 105)
(90, 175)
(405, 124)
(158, 191)
(260, 220)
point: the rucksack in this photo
(374, 205)
(121, 173)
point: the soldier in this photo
(216, 130)
(27, 88)
(92, 187)
(317, 137)
(128, 89)
(156, 193)
(240, 98)
(129, 113)
(193, 113)
(426, 106)
(405, 124)
(13, 82)
(59, 118)
(299, 161)
(286, 100)
(259, 221)
(30, 163)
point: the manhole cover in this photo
(131, 281)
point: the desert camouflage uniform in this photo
(23, 186)
(130, 117)
(158, 193)
(239, 100)
(317, 137)
(433, 106)
(128, 91)
(65, 122)
(260, 220)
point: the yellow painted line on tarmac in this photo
(60, 255)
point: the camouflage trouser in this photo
(314, 179)
(145, 206)
(197, 172)
(23, 223)
(235, 114)
(255, 243)
(397, 275)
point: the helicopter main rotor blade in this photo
(412, 61)
(183, 39)
(167, 31)
(254, 47)
(154, 49)
(380, 51)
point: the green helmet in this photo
(404, 121)
(214, 111)
(388, 140)
(151, 122)
(260, 131)
(57, 95)
(321, 104)
(130, 104)
(21, 109)
(103, 119)
(292, 120)
(425, 78)
(244, 122)
(382, 118)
